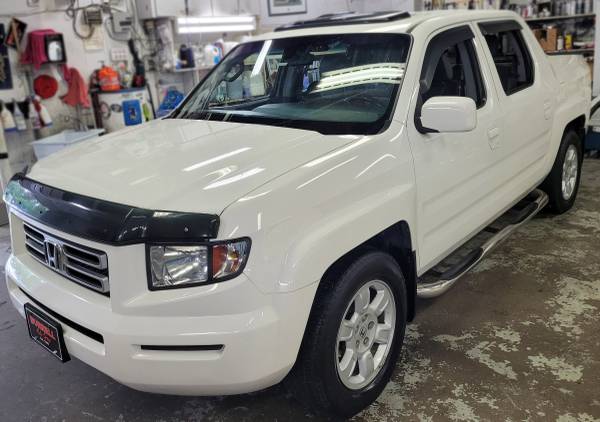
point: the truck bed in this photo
(572, 72)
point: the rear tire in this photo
(342, 318)
(562, 184)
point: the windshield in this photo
(333, 84)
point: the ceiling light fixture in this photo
(213, 24)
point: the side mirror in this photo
(449, 114)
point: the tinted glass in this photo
(342, 84)
(512, 60)
(457, 74)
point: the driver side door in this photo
(453, 170)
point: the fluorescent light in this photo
(208, 24)
(215, 20)
(215, 28)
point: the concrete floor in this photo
(518, 339)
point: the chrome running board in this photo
(443, 276)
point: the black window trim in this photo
(477, 73)
(438, 44)
(496, 27)
(344, 18)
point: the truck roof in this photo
(400, 22)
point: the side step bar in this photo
(435, 283)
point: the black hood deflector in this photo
(104, 221)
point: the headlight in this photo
(171, 266)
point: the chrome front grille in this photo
(80, 264)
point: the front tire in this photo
(562, 184)
(353, 337)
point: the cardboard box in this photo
(547, 38)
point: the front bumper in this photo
(260, 334)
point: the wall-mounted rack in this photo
(562, 17)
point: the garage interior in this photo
(517, 339)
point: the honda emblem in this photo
(53, 253)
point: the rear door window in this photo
(511, 56)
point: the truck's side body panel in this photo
(346, 196)
(455, 172)
(527, 116)
(573, 78)
(531, 125)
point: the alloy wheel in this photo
(569, 172)
(365, 334)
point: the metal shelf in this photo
(571, 51)
(191, 69)
(565, 17)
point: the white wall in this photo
(86, 61)
(314, 8)
(77, 57)
(18, 143)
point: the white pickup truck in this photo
(281, 223)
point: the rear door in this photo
(453, 170)
(526, 102)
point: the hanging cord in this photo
(136, 34)
(72, 12)
(109, 31)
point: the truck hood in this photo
(182, 165)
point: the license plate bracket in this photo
(46, 332)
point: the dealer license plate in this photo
(46, 332)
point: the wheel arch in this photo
(395, 241)
(561, 128)
(578, 126)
